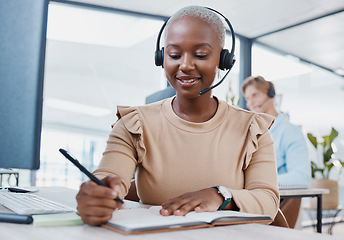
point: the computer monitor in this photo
(23, 26)
(162, 94)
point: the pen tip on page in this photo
(119, 200)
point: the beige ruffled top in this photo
(171, 156)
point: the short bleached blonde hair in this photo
(206, 15)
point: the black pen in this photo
(84, 170)
(15, 218)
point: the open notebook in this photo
(145, 220)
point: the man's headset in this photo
(227, 59)
(271, 94)
(271, 91)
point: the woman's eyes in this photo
(197, 55)
(201, 56)
(174, 56)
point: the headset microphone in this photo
(217, 84)
(227, 58)
(267, 99)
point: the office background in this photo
(100, 54)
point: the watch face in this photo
(225, 192)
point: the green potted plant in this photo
(321, 169)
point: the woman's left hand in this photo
(205, 200)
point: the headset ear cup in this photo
(230, 61)
(227, 60)
(159, 57)
(271, 91)
(223, 56)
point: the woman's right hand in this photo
(97, 203)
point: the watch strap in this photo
(224, 204)
(226, 200)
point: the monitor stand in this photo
(21, 189)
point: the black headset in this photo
(227, 59)
(271, 91)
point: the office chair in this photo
(291, 208)
(280, 220)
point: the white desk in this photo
(307, 192)
(11, 231)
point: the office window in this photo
(95, 60)
(313, 97)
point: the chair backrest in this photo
(280, 220)
(291, 208)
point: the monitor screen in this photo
(162, 94)
(22, 53)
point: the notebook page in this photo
(142, 217)
(210, 216)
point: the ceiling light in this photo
(81, 25)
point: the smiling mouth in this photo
(188, 80)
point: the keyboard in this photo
(26, 203)
(292, 186)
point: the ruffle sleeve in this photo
(260, 124)
(131, 120)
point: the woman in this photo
(189, 152)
